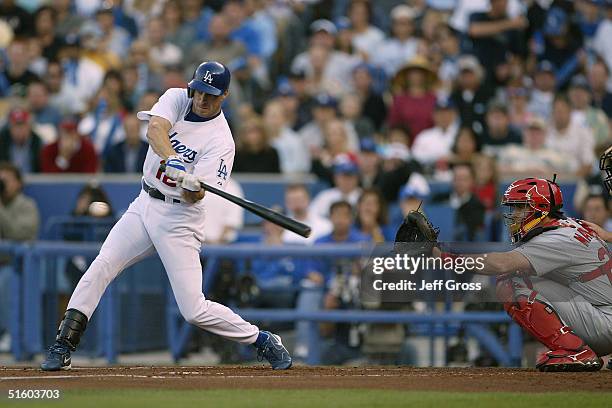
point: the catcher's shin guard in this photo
(568, 352)
(71, 328)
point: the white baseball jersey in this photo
(206, 148)
(174, 230)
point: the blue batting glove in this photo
(175, 168)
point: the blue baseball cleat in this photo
(58, 358)
(272, 349)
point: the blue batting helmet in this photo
(210, 77)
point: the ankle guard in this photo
(71, 328)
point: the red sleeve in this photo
(47, 159)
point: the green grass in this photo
(349, 398)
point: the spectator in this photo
(223, 220)
(177, 32)
(17, 17)
(369, 163)
(463, 9)
(543, 91)
(346, 188)
(495, 34)
(393, 52)
(322, 64)
(38, 102)
(103, 123)
(19, 144)
(297, 202)
(254, 153)
(413, 96)
(448, 42)
(243, 30)
(302, 113)
(66, 21)
(596, 209)
(469, 211)
(518, 98)
(466, 148)
(92, 201)
(351, 110)
(601, 42)
(82, 76)
(412, 195)
(598, 80)
(274, 277)
(71, 153)
(533, 158)
(471, 96)
(564, 136)
(588, 18)
(323, 112)
(15, 69)
(486, 181)
(140, 73)
(336, 148)
(19, 221)
(434, 144)
(585, 115)
(161, 50)
(220, 47)
(60, 92)
(45, 20)
(127, 156)
(293, 155)
(561, 45)
(319, 273)
(372, 216)
(397, 167)
(373, 105)
(366, 37)
(115, 39)
(498, 131)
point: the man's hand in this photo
(602, 233)
(175, 168)
(192, 190)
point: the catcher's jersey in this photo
(574, 257)
(206, 147)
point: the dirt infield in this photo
(397, 378)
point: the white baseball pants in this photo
(176, 232)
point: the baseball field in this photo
(232, 386)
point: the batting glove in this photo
(191, 183)
(175, 169)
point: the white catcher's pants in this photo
(176, 232)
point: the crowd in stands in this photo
(374, 98)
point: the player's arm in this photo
(157, 134)
(495, 263)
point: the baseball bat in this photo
(258, 209)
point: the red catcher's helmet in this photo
(530, 200)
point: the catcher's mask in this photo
(605, 165)
(527, 202)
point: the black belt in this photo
(155, 193)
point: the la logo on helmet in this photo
(208, 77)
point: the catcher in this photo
(557, 282)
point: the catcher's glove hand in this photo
(417, 228)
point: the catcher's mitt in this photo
(417, 228)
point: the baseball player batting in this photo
(189, 135)
(557, 283)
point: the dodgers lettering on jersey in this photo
(207, 148)
(573, 256)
